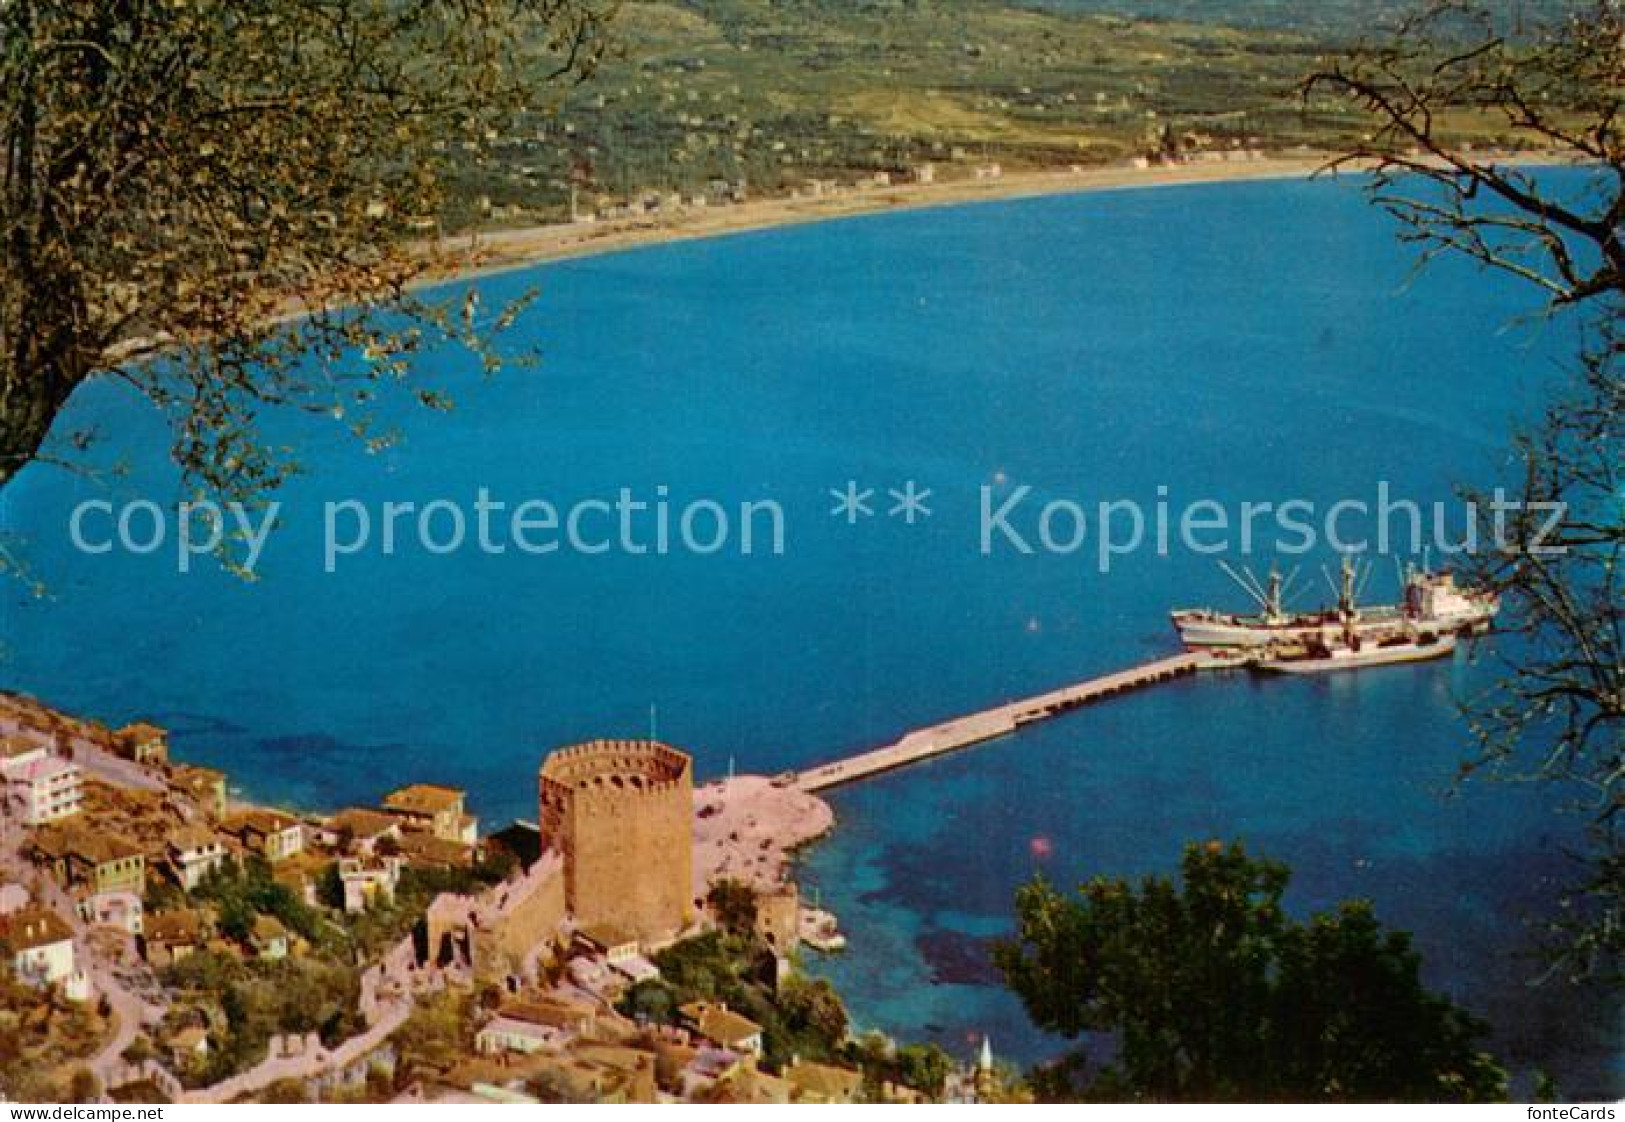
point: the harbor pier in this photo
(1001, 720)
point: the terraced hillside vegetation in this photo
(776, 94)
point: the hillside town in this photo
(164, 941)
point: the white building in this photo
(508, 1034)
(359, 831)
(194, 852)
(721, 1025)
(528, 1027)
(367, 879)
(46, 786)
(42, 950)
(119, 909)
(269, 938)
(610, 943)
(272, 835)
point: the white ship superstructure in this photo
(1433, 606)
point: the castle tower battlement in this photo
(621, 815)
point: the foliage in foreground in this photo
(801, 1017)
(247, 1002)
(1214, 994)
(42, 1037)
(1557, 712)
(177, 177)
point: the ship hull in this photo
(1345, 658)
(1203, 629)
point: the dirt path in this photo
(390, 990)
(131, 1013)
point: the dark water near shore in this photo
(1259, 342)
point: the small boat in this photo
(1318, 658)
(820, 930)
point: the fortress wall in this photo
(532, 917)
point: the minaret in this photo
(984, 1070)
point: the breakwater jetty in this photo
(1001, 720)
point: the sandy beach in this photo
(467, 256)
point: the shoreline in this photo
(469, 257)
(749, 828)
(463, 258)
(493, 253)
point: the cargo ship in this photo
(1433, 606)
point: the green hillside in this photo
(781, 92)
(1339, 19)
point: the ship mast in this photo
(1270, 597)
(1344, 587)
(1346, 594)
(1272, 601)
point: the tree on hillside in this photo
(1555, 89)
(811, 1006)
(923, 1067)
(83, 1086)
(1558, 710)
(1214, 994)
(180, 176)
(733, 904)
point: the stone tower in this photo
(621, 814)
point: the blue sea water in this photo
(1261, 341)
